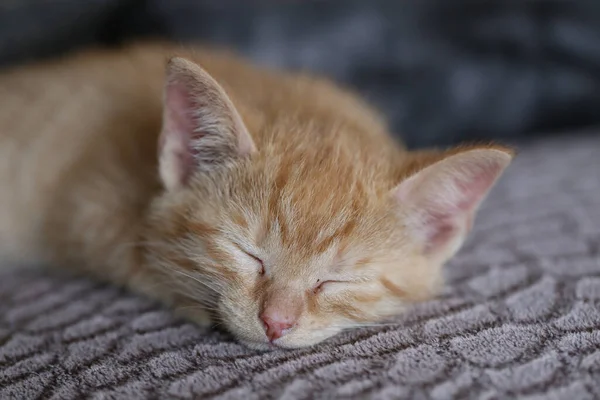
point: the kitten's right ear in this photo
(201, 128)
(441, 200)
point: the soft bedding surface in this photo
(520, 317)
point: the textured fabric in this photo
(520, 317)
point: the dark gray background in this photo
(442, 70)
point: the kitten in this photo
(275, 204)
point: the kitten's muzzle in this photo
(280, 313)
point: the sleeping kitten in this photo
(275, 204)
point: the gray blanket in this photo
(519, 318)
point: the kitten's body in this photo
(81, 189)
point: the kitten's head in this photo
(289, 243)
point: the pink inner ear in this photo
(443, 219)
(179, 127)
(475, 188)
(446, 202)
(179, 118)
(440, 232)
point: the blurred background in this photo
(442, 71)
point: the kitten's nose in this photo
(276, 324)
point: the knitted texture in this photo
(519, 318)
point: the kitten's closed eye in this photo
(259, 262)
(321, 285)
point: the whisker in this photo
(197, 307)
(203, 283)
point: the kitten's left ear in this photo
(201, 129)
(440, 201)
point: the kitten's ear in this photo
(201, 128)
(441, 199)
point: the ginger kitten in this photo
(275, 204)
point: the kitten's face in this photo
(290, 246)
(292, 240)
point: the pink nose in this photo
(275, 326)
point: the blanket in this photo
(519, 317)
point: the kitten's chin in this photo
(266, 346)
(303, 341)
(300, 339)
(286, 342)
(259, 346)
